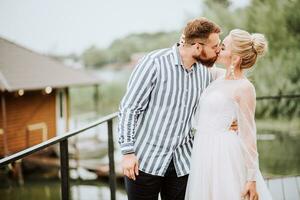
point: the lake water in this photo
(50, 190)
(279, 153)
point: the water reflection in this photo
(279, 153)
(82, 192)
(51, 190)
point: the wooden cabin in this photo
(34, 100)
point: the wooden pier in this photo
(286, 188)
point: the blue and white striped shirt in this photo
(155, 118)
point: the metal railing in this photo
(64, 155)
(278, 97)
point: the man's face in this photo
(207, 53)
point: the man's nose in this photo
(218, 50)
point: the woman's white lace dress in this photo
(223, 160)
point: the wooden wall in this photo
(33, 109)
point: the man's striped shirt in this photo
(155, 118)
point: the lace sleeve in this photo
(246, 99)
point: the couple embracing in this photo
(186, 127)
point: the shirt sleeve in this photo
(246, 99)
(217, 72)
(135, 101)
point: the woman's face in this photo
(224, 57)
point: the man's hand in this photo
(234, 126)
(250, 191)
(130, 166)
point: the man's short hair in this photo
(199, 28)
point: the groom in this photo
(155, 118)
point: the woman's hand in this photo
(250, 191)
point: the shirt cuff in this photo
(127, 148)
(251, 174)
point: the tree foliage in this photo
(276, 74)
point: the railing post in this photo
(112, 173)
(64, 169)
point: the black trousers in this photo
(148, 187)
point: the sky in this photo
(71, 26)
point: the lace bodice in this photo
(221, 103)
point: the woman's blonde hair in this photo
(248, 46)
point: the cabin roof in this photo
(21, 68)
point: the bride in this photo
(224, 164)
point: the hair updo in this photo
(248, 46)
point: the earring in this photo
(232, 72)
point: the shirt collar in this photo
(176, 54)
(177, 57)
